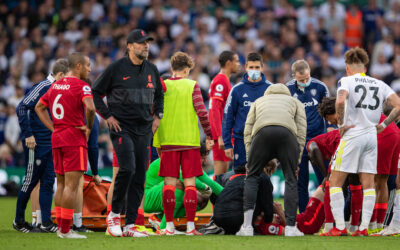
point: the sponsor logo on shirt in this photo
(245, 95)
(310, 104)
(125, 78)
(247, 103)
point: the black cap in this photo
(138, 36)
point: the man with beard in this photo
(134, 108)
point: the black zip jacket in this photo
(134, 93)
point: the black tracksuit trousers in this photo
(132, 153)
(273, 142)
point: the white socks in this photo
(337, 206)
(328, 227)
(396, 211)
(112, 215)
(190, 226)
(38, 217)
(34, 218)
(248, 218)
(367, 208)
(171, 227)
(77, 219)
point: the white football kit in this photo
(357, 151)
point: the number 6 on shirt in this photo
(57, 106)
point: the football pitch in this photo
(11, 239)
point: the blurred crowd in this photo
(34, 33)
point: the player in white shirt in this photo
(359, 107)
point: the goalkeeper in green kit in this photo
(153, 192)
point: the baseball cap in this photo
(138, 36)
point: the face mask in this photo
(254, 74)
(304, 85)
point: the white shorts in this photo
(356, 155)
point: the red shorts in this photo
(68, 159)
(219, 154)
(115, 160)
(310, 221)
(388, 154)
(188, 160)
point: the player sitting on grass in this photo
(154, 191)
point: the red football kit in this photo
(388, 149)
(218, 94)
(65, 101)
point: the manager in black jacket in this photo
(134, 108)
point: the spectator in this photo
(353, 27)
(372, 20)
(381, 68)
(394, 75)
(307, 16)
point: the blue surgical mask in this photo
(254, 74)
(304, 85)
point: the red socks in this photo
(327, 205)
(108, 208)
(66, 219)
(356, 204)
(380, 212)
(58, 215)
(190, 202)
(140, 218)
(169, 202)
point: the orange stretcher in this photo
(94, 210)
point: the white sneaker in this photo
(132, 231)
(388, 231)
(114, 226)
(245, 231)
(293, 231)
(70, 235)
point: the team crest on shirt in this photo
(313, 92)
(295, 96)
(219, 87)
(38, 162)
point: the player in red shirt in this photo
(218, 94)
(66, 100)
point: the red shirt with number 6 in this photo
(65, 101)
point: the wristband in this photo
(341, 126)
(383, 124)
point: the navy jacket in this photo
(28, 120)
(311, 97)
(237, 107)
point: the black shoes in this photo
(50, 228)
(25, 227)
(81, 229)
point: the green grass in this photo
(11, 239)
